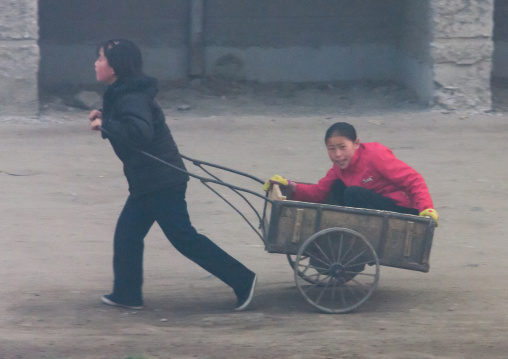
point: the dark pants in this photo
(169, 209)
(359, 197)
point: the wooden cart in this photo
(336, 252)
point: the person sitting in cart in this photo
(363, 175)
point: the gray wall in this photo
(414, 58)
(263, 40)
(500, 57)
(19, 56)
(260, 40)
(291, 40)
(462, 52)
(273, 40)
(71, 31)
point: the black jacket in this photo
(132, 118)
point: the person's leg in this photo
(170, 211)
(359, 197)
(132, 226)
(336, 194)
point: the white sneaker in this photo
(244, 299)
(107, 299)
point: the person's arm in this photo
(304, 192)
(315, 193)
(405, 177)
(133, 121)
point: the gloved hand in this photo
(430, 212)
(276, 179)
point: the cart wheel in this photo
(292, 260)
(342, 268)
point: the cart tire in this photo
(336, 270)
(292, 262)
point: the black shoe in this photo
(245, 297)
(110, 300)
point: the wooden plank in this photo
(409, 239)
(275, 193)
(298, 226)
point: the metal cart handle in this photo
(206, 180)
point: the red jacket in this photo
(376, 168)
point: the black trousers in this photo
(169, 209)
(359, 197)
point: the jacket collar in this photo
(143, 84)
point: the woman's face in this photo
(103, 72)
(341, 149)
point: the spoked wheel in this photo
(292, 262)
(336, 270)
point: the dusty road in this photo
(58, 219)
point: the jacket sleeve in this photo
(315, 193)
(405, 177)
(132, 120)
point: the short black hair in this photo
(123, 56)
(341, 129)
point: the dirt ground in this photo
(62, 189)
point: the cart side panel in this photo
(407, 244)
(296, 224)
(289, 227)
(367, 225)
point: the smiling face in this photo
(103, 72)
(341, 150)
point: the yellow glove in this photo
(430, 212)
(276, 179)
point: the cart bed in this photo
(400, 240)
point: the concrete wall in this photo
(19, 57)
(291, 40)
(71, 31)
(441, 49)
(414, 66)
(259, 40)
(462, 52)
(500, 57)
(255, 40)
